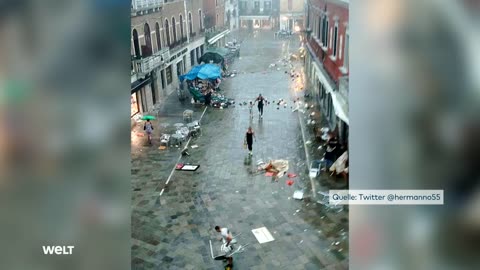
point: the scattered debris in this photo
(298, 195)
(194, 146)
(186, 167)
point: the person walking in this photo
(148, 127)
(227, 237)
(249, 136)
(261, 102)
(250, 108)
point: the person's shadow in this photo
(248, 160)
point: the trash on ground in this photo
(194, 146)
(186, 167)
(315, 168)
(277, 167)
(298, 210)
(269, 174)
(262, 235)
(289, 182)
(162, 147)
(300, 242)
(298, 195)
(291, 175)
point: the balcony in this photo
(145, 65)
(143, 5)
(177, 43)
(255, 12)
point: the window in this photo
(136, 45)
(179, 68)
(181, 27)
(243, 5)
(319, 29)
(190, 23)
(325, 31)
(157, 35)
(148, 39)
(256, 5)
(200, 19)
(267, 5)
(216, 3)
(335, 39)
(167, 32)
(174, 30)
(308, 17)
(168, 72)
(192, 58)
(162, 76)
(217, 22)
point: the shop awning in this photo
(217, 37)
(340, 106)
(258, 17)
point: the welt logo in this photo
(58, 250)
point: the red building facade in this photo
(214, 13)
(326, 61)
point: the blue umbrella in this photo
(205, 71)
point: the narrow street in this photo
(173, 223)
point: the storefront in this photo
(141, 96)
(134, 108)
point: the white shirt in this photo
(224, 232)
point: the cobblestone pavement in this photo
(172, 230)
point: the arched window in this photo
(190, 23)
(181, 27)
(167, 32)
(136, 46)
(148, 38)
(200, 19)
(157, 35)
(174, 30)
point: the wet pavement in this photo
(173, 223)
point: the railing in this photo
(254, 12)
(138, 5)
(146, 65)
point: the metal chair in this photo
(187, 115)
